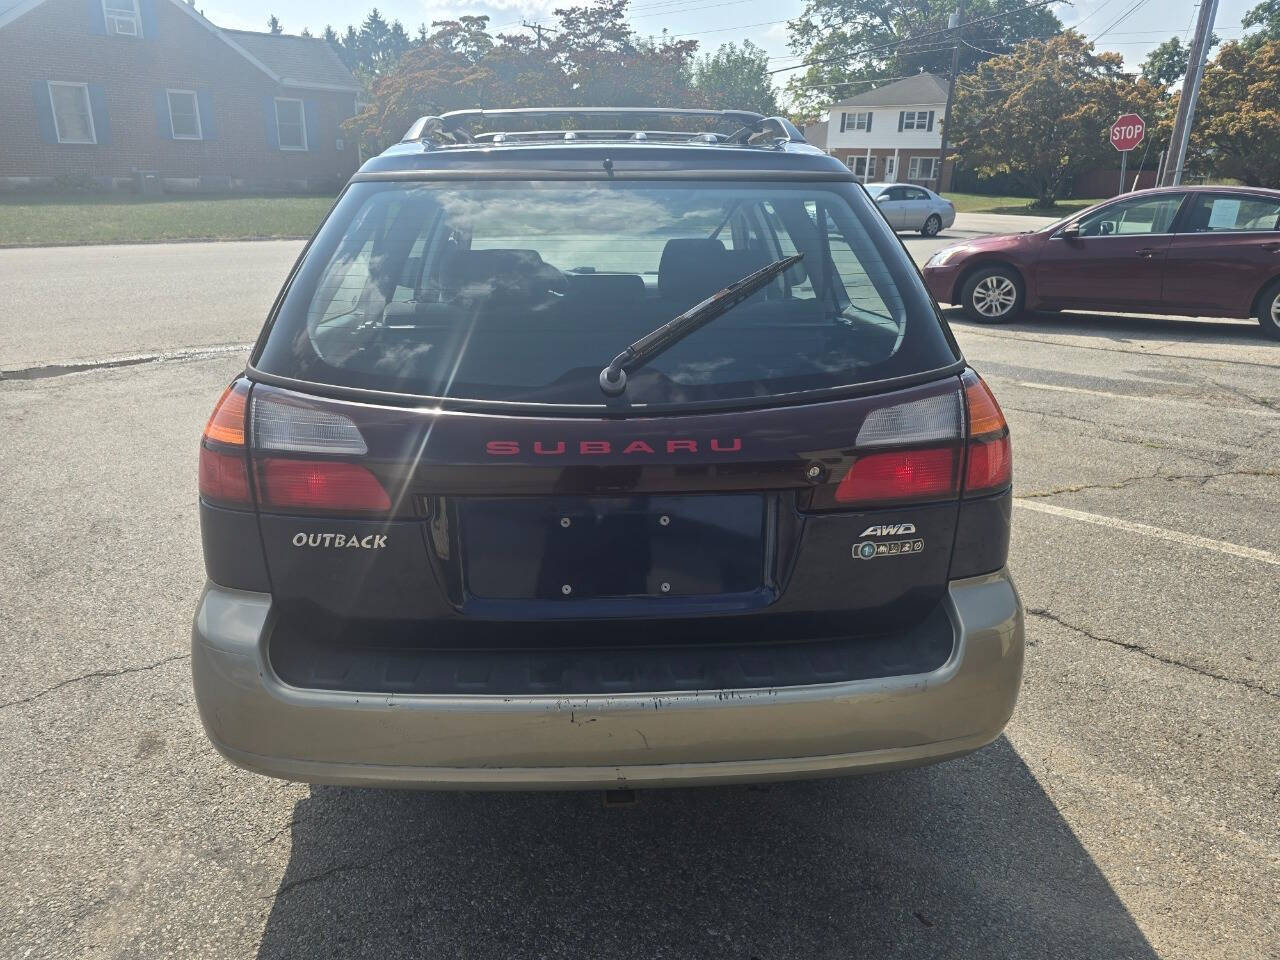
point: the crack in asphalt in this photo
(372, 863)
(1202, 478)
(93, 675)
(1133, 647)
(48, 370)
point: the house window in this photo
(122, 17)
(855, 121)
(917, 119)
(72, 116)
(922, 168)
(184, 115)
(291, 124)
(864, 168)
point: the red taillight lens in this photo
(897, 476)
(224, 470)
(328, 485)
(990, 454)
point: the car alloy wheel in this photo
(933, 226)
(1269, 315)
(994, 296)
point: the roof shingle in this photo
(303, 61)
(923, 88)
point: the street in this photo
(1132, 809)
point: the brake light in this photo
(990, 453)
(330, 485)
(898, 476)
(224, 468)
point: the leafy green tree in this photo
(1265, 17)
(273, 24)
(1042, 112)
(594, 57)
(736, 78)
(850, 43)
(1238, 116)
(1167, 63)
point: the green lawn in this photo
(978, 203)
(112, 218)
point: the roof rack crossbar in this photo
(754, 129)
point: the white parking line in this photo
(1177, 536)
(1129, 396)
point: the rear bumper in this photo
(659, 739)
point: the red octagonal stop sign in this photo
(1127, 132)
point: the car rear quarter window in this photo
(1233, 213)
(520, 292)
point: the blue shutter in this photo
(930, 127)
(870, 116)
(97, 22)
(204, 99)
(98, 104)
(44, 112)
(844, 119)
(269, 118)
(164, 128)
(902, 118)
(147, 11)
(313, 128)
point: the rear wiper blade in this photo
(613, 378)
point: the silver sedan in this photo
(908, 207)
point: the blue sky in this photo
(712, 22)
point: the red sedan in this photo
(1190, 251)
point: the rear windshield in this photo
(522, 291)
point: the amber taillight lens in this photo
(989, 465)
(224, 464)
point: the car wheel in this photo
(993, 295)
(932, 227)
(1269, 311)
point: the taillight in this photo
(989, 464)
(329, 485)
(224, 467)
(283, 428)
(924, 463)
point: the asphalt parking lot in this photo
(1132, 810)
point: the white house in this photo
(893, 133)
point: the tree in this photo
(850, 43)
(594, 57)
(1238, 116)
(1167, 63)
(736, 78)
(1266, 17)
(273, 24)
(1042, 112)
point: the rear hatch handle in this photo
(613, 378)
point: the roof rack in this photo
(752, 129)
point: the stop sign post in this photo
(1126, 134)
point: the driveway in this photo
(1130, 810)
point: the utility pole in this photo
(954, 23)
(1190, 94)
(538, 30)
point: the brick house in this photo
(893, 133)
(103, 89)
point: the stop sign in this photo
(1127, 132)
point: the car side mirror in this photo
(882, 199)
(1071, 231)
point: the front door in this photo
(892, 203)
(1227, 246)
(890, 169)
(1117, 260)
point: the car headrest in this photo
(506, 276)
(691, 269)
(606, 290)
